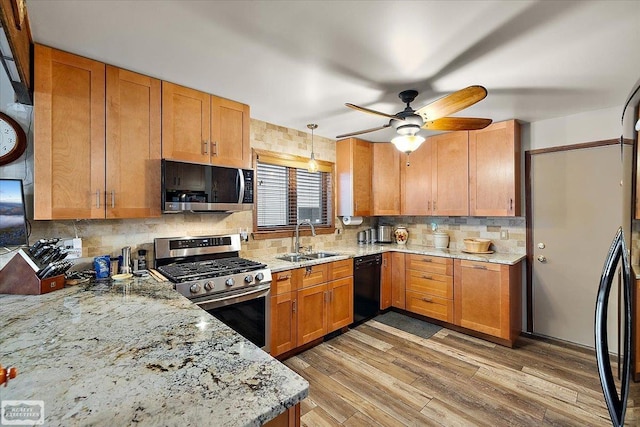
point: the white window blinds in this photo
(287, 195)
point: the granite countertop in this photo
(350, 251)
(137, 352)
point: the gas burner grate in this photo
(187, 271)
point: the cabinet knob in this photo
(542, 258)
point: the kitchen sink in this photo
(294, 258)
(306, 257)
(318, 255)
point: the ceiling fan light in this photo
(407, 143)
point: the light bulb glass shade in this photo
(312, 166)
(407, 143)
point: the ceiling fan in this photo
(432, 116)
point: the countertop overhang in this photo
(137, 352)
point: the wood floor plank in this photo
(355, 399)
(318, 418)
(377, 375)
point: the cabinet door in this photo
(230, 133)
(450, 174)
(186, 115)
(283, 323)
(340, 311)
(133, 146)
(386, 179)
(487, 298)
(398, 279)
(314, 275)
(385, 281)
(69, 158)
(312, 313)
(494, 170)
(353, 177)
(416, 181)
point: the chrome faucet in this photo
(313, 232)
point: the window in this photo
(286, 193)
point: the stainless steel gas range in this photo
(208, 271)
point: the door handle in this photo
(542, 258)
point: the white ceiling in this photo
(298, 62)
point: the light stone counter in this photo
(350, 251)
(137, 353)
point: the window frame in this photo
(291, 161)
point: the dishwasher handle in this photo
(366, 261)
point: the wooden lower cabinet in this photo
(398, 298)
(488, 298)
(289, 418)
(312, 313)
(310, 302)
(385, 281)
(429, 286)
(284, 319)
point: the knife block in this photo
(19, 277)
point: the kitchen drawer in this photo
(314, 275)
(480, 265)
(430, 264)
(430, 306)
(341, 269)
(430, 283)
(283, 282)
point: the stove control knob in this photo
(208, 286)
(195, 288)
(230, 281)
(248, 279)
(259, 277)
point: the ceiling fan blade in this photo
(457, 123)
(452, 103)
(367, 110)
(363, 131)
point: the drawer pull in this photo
(283, 278)
(428, 277)
(427, 260)
(480, 267)
(427, 300)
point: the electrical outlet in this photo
(504, 235)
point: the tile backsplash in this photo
(107, 237)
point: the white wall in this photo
(589, 126)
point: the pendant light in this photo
(313, 165)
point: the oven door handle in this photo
(236, 296)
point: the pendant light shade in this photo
(313, 165)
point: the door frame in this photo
(529, 211)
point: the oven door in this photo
(247, 311)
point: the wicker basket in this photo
(477, 245)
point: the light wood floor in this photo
(376, 375)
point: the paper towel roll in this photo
(352, 220)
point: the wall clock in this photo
(13, 141)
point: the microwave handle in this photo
(241, 182)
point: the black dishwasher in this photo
(366, 287)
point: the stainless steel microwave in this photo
(205, 188)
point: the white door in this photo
(577, 207)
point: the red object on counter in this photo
(7, 374)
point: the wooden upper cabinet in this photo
(494, 170)
(230, 144)
(69, 153)
(386, 179)
(353, 170)
(416, 177)
(185, 123)
(18, 37)
(450, 174)
(202, 128)
(133, 146)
